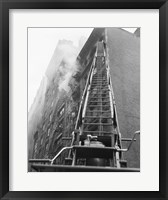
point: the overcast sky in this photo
(41, 45)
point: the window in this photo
(50, 117)
(47, 146)
(48, 133)
(36, 136)
(61, 112)
(41, 141)
(35, 147)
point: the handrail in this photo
(82, 99)
(85, 103)
(112, 93)
(113, 99)
(84, 92)
(81, 102)
(63, 149)
(125, 150)
(50, 160)
(114, 110)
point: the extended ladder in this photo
(98, 137)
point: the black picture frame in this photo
(5, 6)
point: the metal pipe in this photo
(85, 104)
(111, 102)
(81, 103)
(80, 107)
(137, 132)
(125, 150)
(63, 149)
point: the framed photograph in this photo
(83, 99)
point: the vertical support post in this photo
(74, 158)
(117, 159)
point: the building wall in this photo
(124, 61)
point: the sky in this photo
(41, 45)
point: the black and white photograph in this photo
(83, 99)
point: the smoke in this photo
(66, 70)
(63, 63)
(63, 60)
(68, 66)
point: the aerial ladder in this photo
(96, 143)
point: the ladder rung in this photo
(96, 85)
(93, 97)
(100, 88)
(105, 132)
(101, 111)
(104, 72)
(99, 79)
(99, 97)
(94, 105)
(106, 93)
(98, 106)
(98, 117)
(99, 101)
(99, 85)
(96, 77)
(101, 74)
(97, 89)
(99, 124)
(99, 92)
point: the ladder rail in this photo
(81, 103)
(83, 95)
(114, 104)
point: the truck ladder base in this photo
(66, 168)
